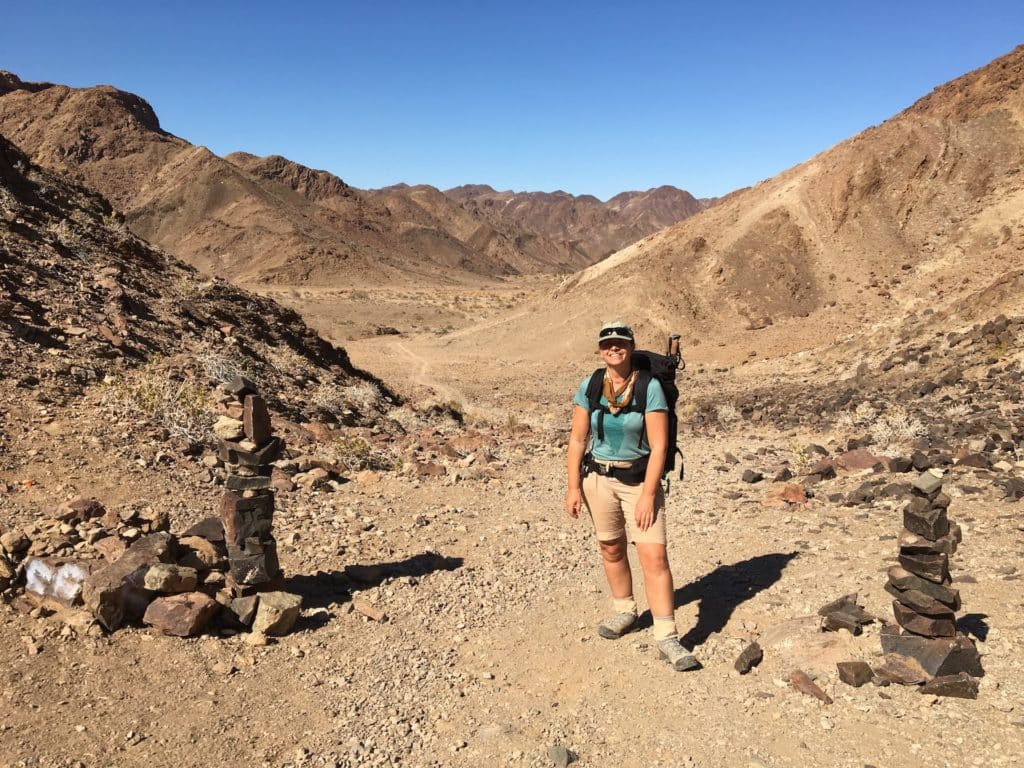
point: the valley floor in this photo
(488, 653)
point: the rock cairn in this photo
(248, 447)
(221, 574)
(926, 604)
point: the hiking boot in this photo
(616, 626)
(675, 654)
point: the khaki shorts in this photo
(612, 506)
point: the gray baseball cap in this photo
(615, 330)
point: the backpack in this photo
(648, 365)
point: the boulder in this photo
(919, 624)
(938, 656)
(855, 673)
(277, 613)
(961, 686)
(115, 592)
(901, 670)
(749, 658)
(181, 615)
(170, 579)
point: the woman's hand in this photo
(644, 510)
(573, 502)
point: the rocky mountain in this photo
(268, 219)
(918, 216)
(84, 301)
(583, 222)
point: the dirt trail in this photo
(493, 658)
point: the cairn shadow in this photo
(327, 588)
(722, 590)
(974, 624)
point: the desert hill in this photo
(83, 301)
(270, 220)
(584, 222)
(921, 213)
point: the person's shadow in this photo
(722, 590)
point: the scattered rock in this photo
(855, 673)
(801, 682)
(749, 658)
(277, 613)
(181, 615)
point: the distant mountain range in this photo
(918, 216)
(268, 219)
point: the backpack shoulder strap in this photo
(594, 389)
(643, 381)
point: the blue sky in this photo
(591, 98)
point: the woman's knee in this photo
(653, 557)
(613, 551)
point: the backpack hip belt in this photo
(628, 472)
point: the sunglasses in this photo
(605, 332)
(609, 343)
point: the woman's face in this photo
(615, 351)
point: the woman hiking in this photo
(617, 454)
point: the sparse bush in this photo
(360, 397)
(728, 414)
(355, 453)
(183, 408)
(896, 427)
(959, 410)
(221, 368)
(862, 416)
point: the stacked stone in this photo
(248, 448)
(926, 604)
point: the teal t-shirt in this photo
(621, 432)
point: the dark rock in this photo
(863, 494)
(899, 464)
(241, 386)
(902, 579)
(920, 462)
(749, 658)
(116, 592)
(253, 562)
(925, 519)
(976, 460)
(930, 567)
(936, 655)
(784, 474)
(825, 469)
(256, 419)
(244, 518)
(752, 476)
(244, 609)
(922, 625)
(209, 528)
(913, 544)
(236, 453)
(244, 483)
(855, 673)
(925, 605)
(961, 686)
